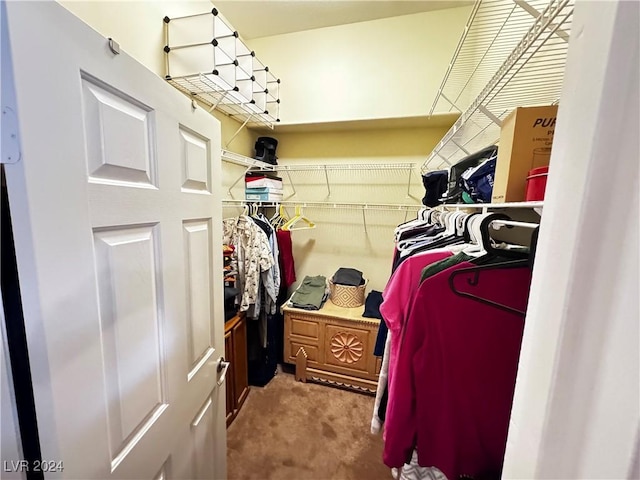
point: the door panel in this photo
(119, 132)
(203, 441)
(133, 363)
(198, 246)
(116, 204)
(194, 155)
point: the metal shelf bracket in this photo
(326, 177)
(238, 180)
(293, 187)
(364, 220)
(535, 14)
(490, 115)
(233, 137)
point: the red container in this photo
(536, 184)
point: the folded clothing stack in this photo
(230, 307)
(311, 294)
(261, 186)
(348, 276)
(347, 288)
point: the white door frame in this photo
(575, 412)
(10, 446)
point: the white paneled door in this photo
(116, 210)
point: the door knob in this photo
(223, 366)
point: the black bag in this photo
(454, 193)
(266, 150)
(435, 184)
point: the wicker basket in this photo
(346, 295)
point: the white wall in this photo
(135, 25)
(576, 407)
(378, 69)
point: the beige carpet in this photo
(298, 431)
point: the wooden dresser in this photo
(235, 348)
(332, 345)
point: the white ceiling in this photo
(254, 19)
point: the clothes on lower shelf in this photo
(454, 309)
(348, 276)
(311, 294)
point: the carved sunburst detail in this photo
(346, 347)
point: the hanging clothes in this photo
(398, 294)
(287, 264)
(256, 258)
(455, 315)
(452, 386)
(252, 256)
(272, 288)
(400, 289)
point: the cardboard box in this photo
(263, 197)
(526, 137)
(259, 182)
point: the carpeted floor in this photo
(298, 431)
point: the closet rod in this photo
(331, 205)
(346, 166)
(486, 206)
(497, 224)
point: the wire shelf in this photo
(206, 59)
(254, 164)
(206, 89)
(346, 166)
(532, 74)
(246, 162)
(537, 204)
(492, 32)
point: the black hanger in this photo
(534, 246)
(484, 232)
(476, 278)
(493, 252)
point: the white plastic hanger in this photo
(477, 249)
(421, 220)
(280, 218)
(446, 219)
(276, 215)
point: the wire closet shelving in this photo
(251, 164)
(384, 206)
(330, 205)
(530, 74)
(206, 60)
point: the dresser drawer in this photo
(313, 352)
(307, 329)
(338, 343)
